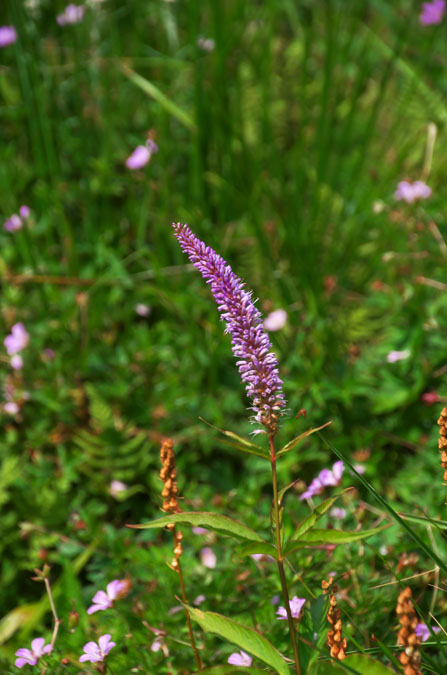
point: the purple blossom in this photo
(17, 340)
(411, 192)
(240, 659)
(8, 35)
(296, 605)
(104, 599)
(142, 310)
(116, 487)
(199, 530)
(11, 407)
(423, 631)
(24, 211)
(338, 513)
(257, 365)
(97, 652)
(395, 356)
(325, 478)
(432, 12)
(13, 223)
(141, 155)
(71, 14)
(31, 656)
(198, 601)
(208, 557)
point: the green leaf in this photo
(440, 524)
(360, 664)
(293, 443)
(308, 523)
(241, 443)
(331, 537)
(283, 491)
(213, 521)
(244, 637)
(250, 549)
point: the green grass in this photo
(282, 149)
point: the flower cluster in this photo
(432, 12)
(257, 365)
(325, 478)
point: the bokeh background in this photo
(283, 129)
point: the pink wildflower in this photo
(97, 652)
(337, 513)
(13, 223)
(423, 631)
(8, 35)
(432, 12)
(411, 192)
(275, 320)
(116, 487)
(104, 599)
(31, 656)
(16, 362)
(71, 14)
(198, 601)
(24, 211)
(395, 356)
(240, 659)
(208, 557)
(141, 155)
(430, 397)
(11, 407)
(325, 478)
(296, 606)
(142, 310)
(17, 340)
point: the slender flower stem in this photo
(57, 621)
(188, 618)
(280, 561)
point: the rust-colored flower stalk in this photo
(442, 443)
(336, 642)
(410, 658)
(168, 474)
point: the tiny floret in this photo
(412, 192)
(97, 652)
(432, 12)
(240, 659)
(422, 631)
(208, 557)
(326, 478)
(105, 599)
(8, 35)
(257, 364)
(71, 14)
(296, 606)
(17, 340)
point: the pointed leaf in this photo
(212, 521)
(283, 491)
(251, 549)
(313, 537)
(440, 524)
(293, 443)
(244, 637)
(241, 442)
(315, 516)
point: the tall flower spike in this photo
(442, 442)
(257, 365)
(336, 643)
(410, 658)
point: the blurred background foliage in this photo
(281, 144)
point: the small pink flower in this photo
(432, 12)
(337, 513)
(208, 557)
(275, 320)
(395, 356)
(325, 478)
(16, 362)
(198, 601)
(97, 652)
(423, 631)
(240, 659)
(206, 44)
(17, 340)
(411, 192)
(31, 656)
(142, 309)
(24, 211)
(71, 14)
(13, 223)
(11, 407)
(141, 155)
(8, 35)
(104, 599)
(199, 530)
(430, 397)
(296, 606)
(116, 487)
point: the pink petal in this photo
(139, 158)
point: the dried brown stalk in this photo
(410, 658)
(336, 642)
(442, 443)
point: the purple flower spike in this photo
(296, 606)
(104, 599)
(257, 365)
(432, 12)
(97, 652)
(240, 659)
(8, 35)
(31, 656)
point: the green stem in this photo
(188, 618)
(280, 561)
